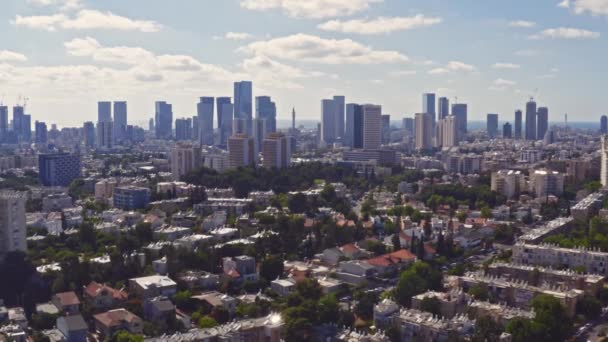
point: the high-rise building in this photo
(243, 103)
(183, 129)
(41, 133)
(339, 113)
(372, 127)
(492, 125)
(449, 131)
(531, 120)
(276, 151)
(241, 151)
(518, 125)
(424, 131)
(409, 126)
(88, 132)
(163, 120)
(428, 106)
(105, 134)
(18, 113)
(3, 123)
(460, 111)
(239, 126)
(603, 124)
(444, 108)
(12, 222)
(386, 129)
(120, 120)
(58, 169)
(151, 126)
(604, 166)
(260, 131)
(507, 131)
(225, 110)
(293, 118)
(104, 111)
(542, 123)
(185, 158)
(353, 134)
(195, 129)
(26, 128)
(221, 101)
(205, 109)
(267, 110)
(328, 121)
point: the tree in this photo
(431, 304)
(328, 309)
(551, 319)
(125, 336)
(183, 300)
(486, 330)
(521, 330)
(589, 307)
(396, 242)
(206, 322)
(298, 203)
(419, 278)
(480, 292)
(271, 268)
(486, 213)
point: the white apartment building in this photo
(593, 261)
(508, 183)
(12, 222)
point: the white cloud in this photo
(502, 82)
(311, 8)
(400, 73)
(66, 5)
(565, 33)
(379, 25)
(506, 66)
(527, 53)
(307, 48)
(11, 56)
(452, 66)
(234, 36)
(86, 20)
(593, 7)
(438, 71)
(522, 23)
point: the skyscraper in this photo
(492, 125)
(267, 110)
(260, 131)
(12, 222)
(58, 169)
(293, 118)
(163, 120)
(243, 103)
(221, 101)
(339, 116)
(241, 151)
(603, 124)
(542, 123)
(120, 120)
(276, 151)
(104, 111)
(424, 131)
(185, 158)
(507, 131)
(88, 131)
(460, 111)
(449, 131)
(26, 127)
(225, 110)
(372, 127)
(604, 166)
(105, 134)
(328, 121)
(518, 115)
(531, 120)
(41, 133)
(428, 105)
(3, 123)
(409, 126)
(205, 109)
(354, 125)
(444, 107)
(386, 129)
(183, 129)
(195, 129)
(18, 113)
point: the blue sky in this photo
(65, 55)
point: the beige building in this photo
(509, 183)
(593, 261)
(185, 158)
(104, 189)
(12, 222)
(424, 131)
(604, 168)
(448, 129)
(276, 151)
(241, 149)
(545, 182)
(372, 127)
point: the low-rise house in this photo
(67, 302)
(199, 280)
(393, 261)
(109, 322)
(101, 296)
(159, 309)
(283, 287)
(73, 327)
(153, 286)
(214, 299)
(240, 267)
(384, 312)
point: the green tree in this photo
(328, 309)
(487, 330)
(271, 268)
(551, 319)
(480, 292)
(206, 322)
(590, 307)
(431, 304)
(298, 203)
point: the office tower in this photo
(549, 137)
(26, 127)
(260, 130)
(221, 101)
(163, 120)
(3, 123)
(353, 134)
(239, 126)
(105, 135)
(41, 133)
(518, 125)
(444, 108)
(386, 129)
(492, 125)
(58, 169)
(293, 118)
(604, 166)
(507, 132)
(276, 151)
(18, 113)
(449, 131)
(424, 131)
(104, 111)
(603, 124)
(183, 129)
(460, 111)
(339, 113)
(542, 122)
(241, 151)
(372, 127)
(204, 110)
(226, 113)
(151, 125)
(243, 103)
(531, 120)
(428, 105)
(408, 125)
(267, 110)
(328, 121)
(12, 222)
(195, 128)
(120, 120)
(185, 158)
(88, 132)
(131, 197)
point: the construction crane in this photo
(25, 101)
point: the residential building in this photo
(604, 160)
(509, 183)
(593, 261)
(12, 222)
(110, 322)
(240, 267)
(544, 183)
(241, 149)
(67, 303)
(40, 133)
(73, 327)
(424, 131)
(152, 286)
(183, 129)
(507, 131)
(58, 169)
(88, 130)
(185, 158)
(103, 297)
(448, 126)
(131, 197)
(276, 151)
(205, 109)
(386, 129)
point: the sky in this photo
(65, 55)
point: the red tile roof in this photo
(400, 256)
(116, 317)
(68, 298)
(94, 289)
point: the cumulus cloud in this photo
(506, 66)
(309, 48)
(234, 36)
(593, 7)
(85, 20)
(311, 8)
(452, 66)
(11, 56)
(400, 73)
(379, 25)
(66, 5)
(503, 82)
(522, 23)
(565, 33)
